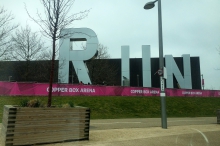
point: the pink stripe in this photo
(41, 89)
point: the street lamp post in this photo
(147, 6)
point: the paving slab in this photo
(143, 132)
(193, 135)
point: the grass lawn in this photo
(130, 107)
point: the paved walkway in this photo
(148, 122)
(143, 132)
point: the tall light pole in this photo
(147, 6)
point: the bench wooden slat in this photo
(25, 126)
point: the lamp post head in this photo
(149, 5)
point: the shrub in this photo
(37, 103)
(66, 105)
(34, 103)
(24, 102)
(71, 104)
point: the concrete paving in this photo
(201, 131)
(148, 122)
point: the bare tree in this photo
(101, 70)
(54, 20)
(102, 52)
(27, 46)
(47, 55)
(6, 29)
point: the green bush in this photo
(71, 104)
(34, 103)
(24, 102)
(65, 105)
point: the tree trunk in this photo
(51, 74)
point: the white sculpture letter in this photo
(76, 56)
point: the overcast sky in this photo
(189, 27)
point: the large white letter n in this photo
(76, 56)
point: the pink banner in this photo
(41, 89)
